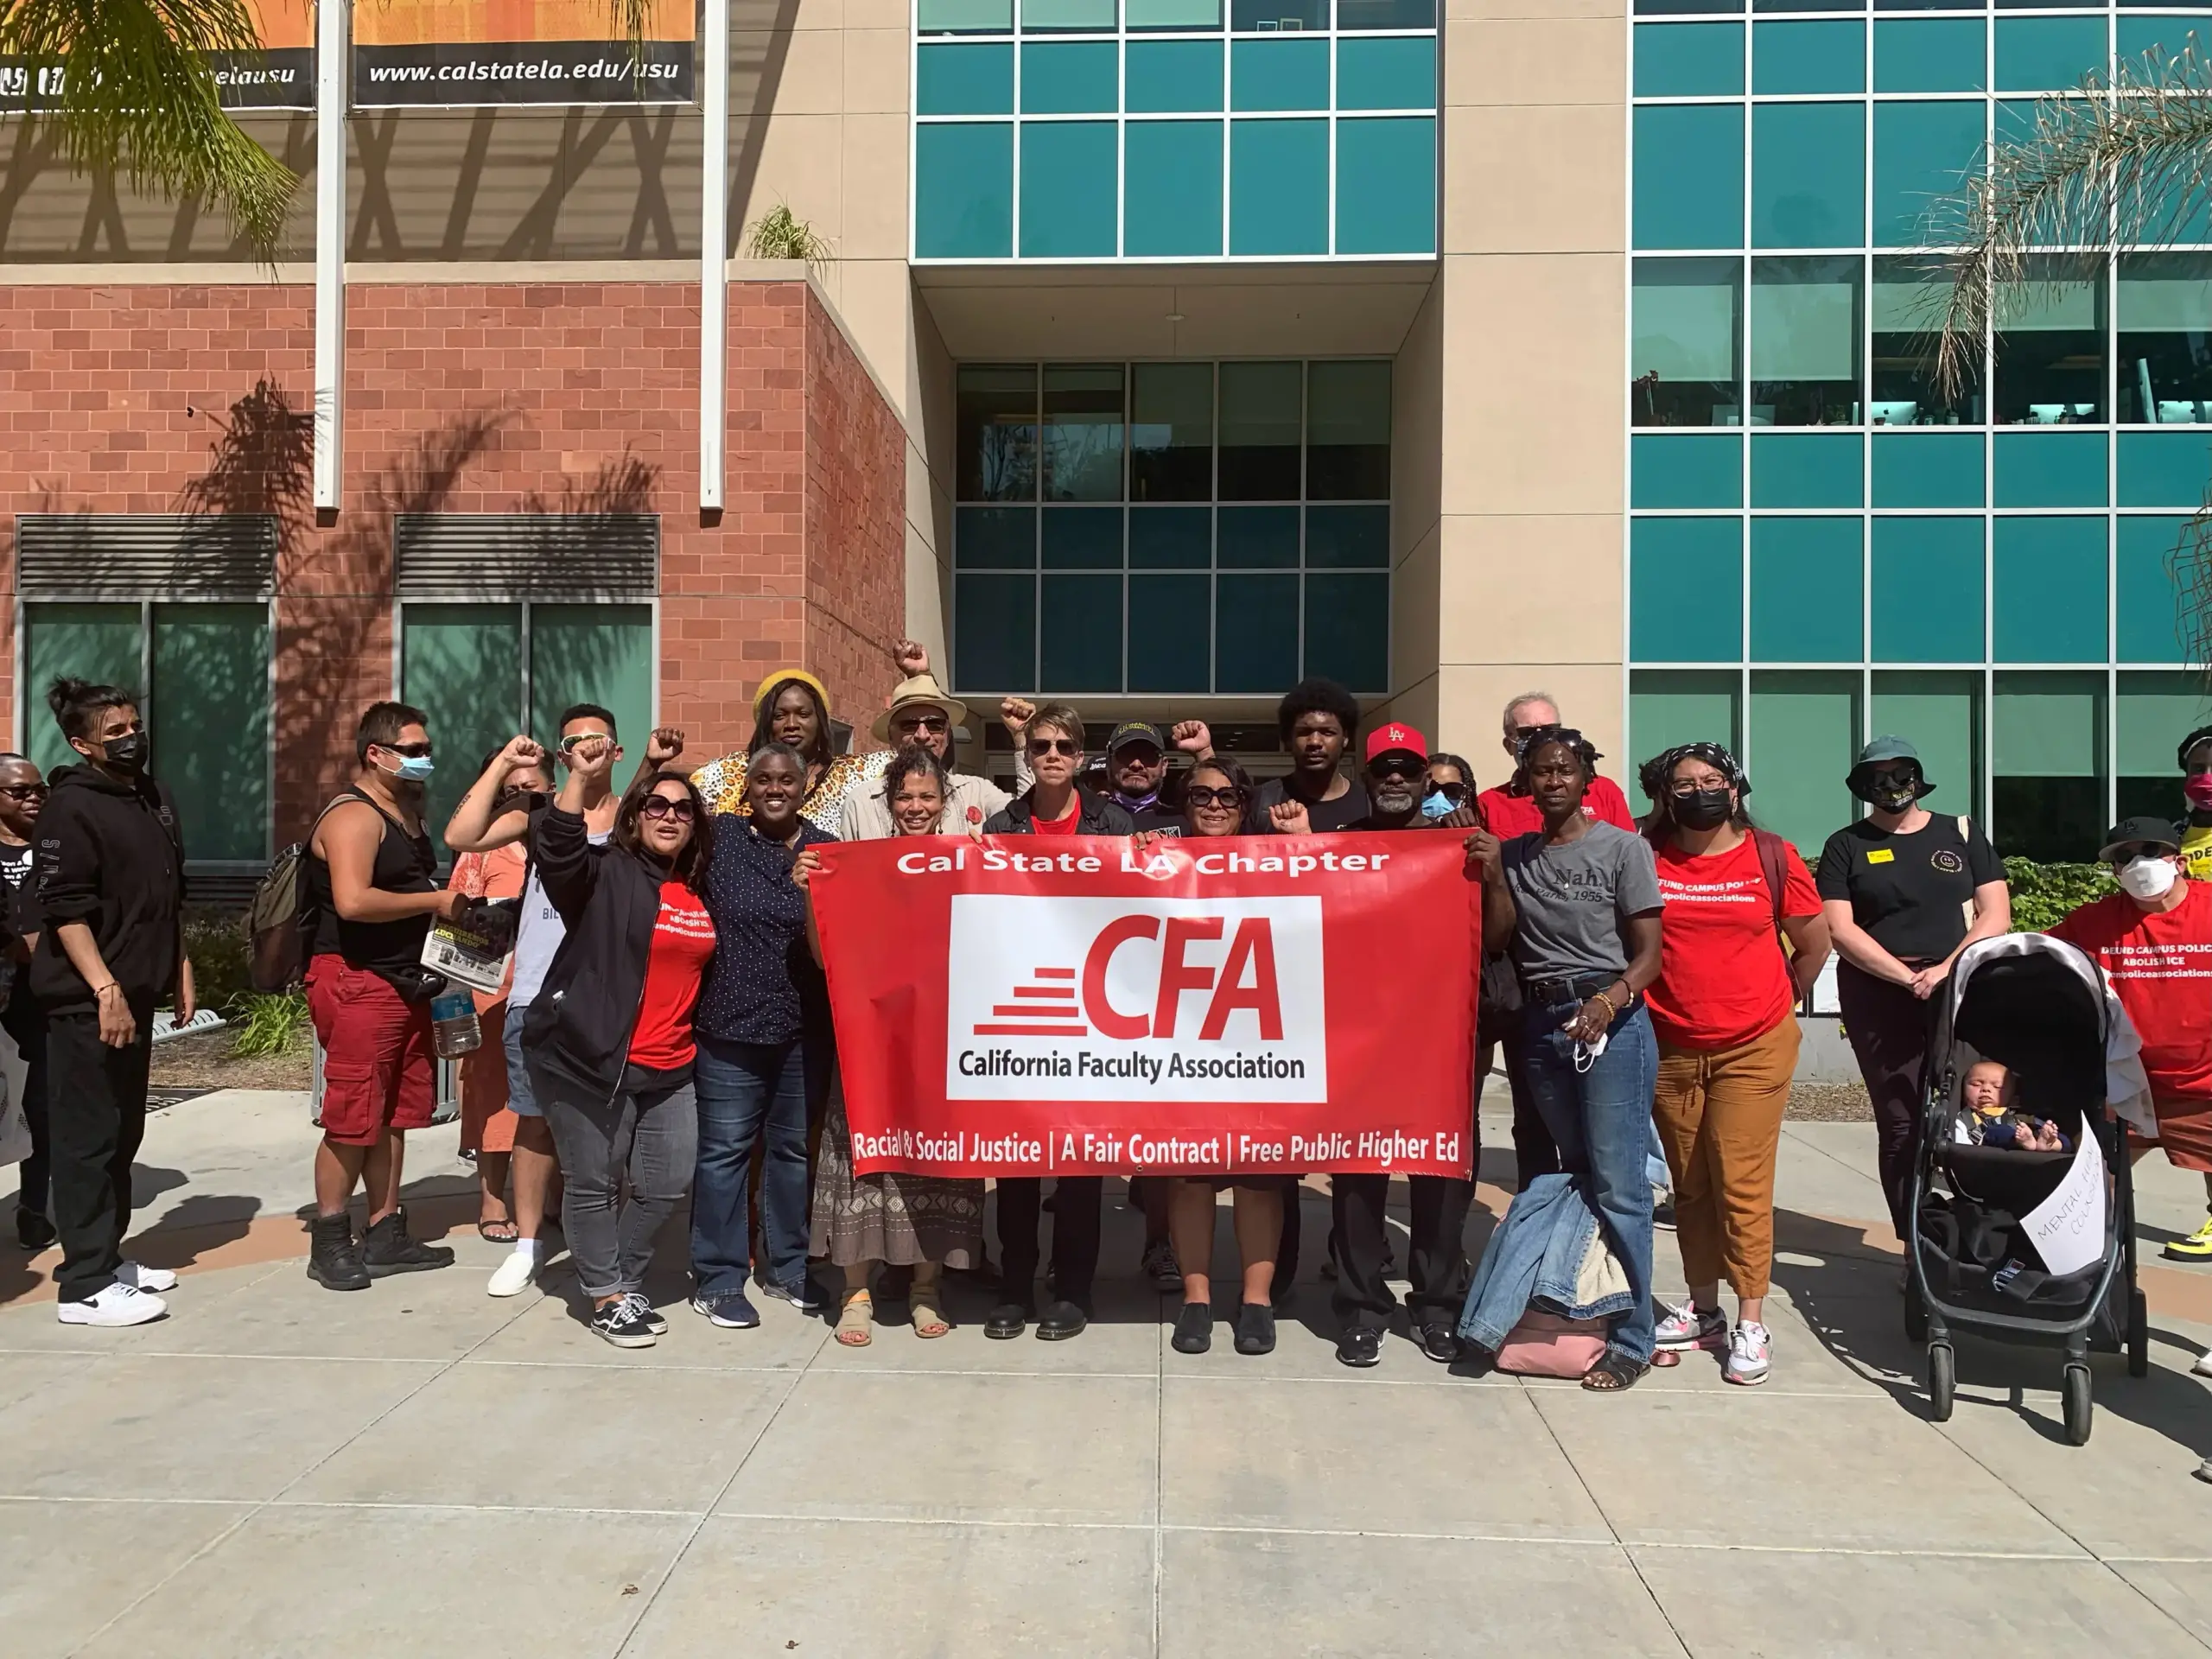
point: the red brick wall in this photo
(479, 399)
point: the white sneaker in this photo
(513, 1276)
(138, 1276)
(117, 1304)
(1751, 1353)
(1690, 1326)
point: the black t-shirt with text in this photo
(1910, 893)
(1324, 816)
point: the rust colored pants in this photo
(1720, 1117)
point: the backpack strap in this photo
(1774, 865)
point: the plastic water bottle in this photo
(455, 1029)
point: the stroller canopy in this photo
(2045, 1009)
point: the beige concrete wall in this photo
(1529, 560)
(1416, 518)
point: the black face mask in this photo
(126, 753)
(1703, 808)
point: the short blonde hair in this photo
(1061, 718)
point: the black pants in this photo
(1294, 1229)
(25, 1021)
(1888, 1027)
(1437, 1263)
(96, 1120)
(1076, 1202)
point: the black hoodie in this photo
(110, 855)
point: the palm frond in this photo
(139, 99)
(2118, 164)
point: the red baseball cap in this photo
(1395, 738)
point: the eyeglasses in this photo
(412, 751)
(930, 723)
(569, 743)
(1043, 746)
(666, 806)
(1227, 795)
(24, 792)
(1883, 778)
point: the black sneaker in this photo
(800, 1295)
(1662, 1209)
(33, 1230)
(334, 1258)
(1193, 1329)
(1255, 1328)
(1360, 1346)
(647, 1314)
(389, 1248)
(1440, 1342)
(619, 1322)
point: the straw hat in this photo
(922, 689)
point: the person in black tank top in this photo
(373, 894)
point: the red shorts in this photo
(376, 1071)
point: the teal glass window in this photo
(2163, 309)
(2048, 55)
(1347, 538)
(2050, 348)
(1171, 436)
(1068, 188)
(1804, 728)
(963, 190)
(994, 538)
(1809, 175)
(1255, 634)
(1928, 469)
(1392, 72)
(1686, 581)
(1082, 538)
(964, 79)
(1170, 647)
(1671, 706)
(995, 443)
(1807, 593)
(1923, 153)
(1079, 634)
(1279, 75)
(994, 636)
(1170, 15)
(1906, 308)
(1685, 472)
(2164, 469)
(1929, 55)
(1942, 715)
(462, 665)
(1278, 16)
(1927, 590)
(1173, 76)
(101, 642)
(1348, 430)
(2048, 469)
(2048, 577)
(1808, 470)
(1688, 184)
(2148, 626)
(1261, 408)
(1386, 184)
(1828, 56)
(1279, 186)
(1071, 77)
(1689, 59)
(2161, 37)
(2150, 716)
(1257, 538)
(1386, 14)
(1805, 333)
(208, 717)
(1348, 630)
(1686, 328)
(2047, 749)
(1067, 17)
(1083, 432)
(1171, 538)
(1171, 191)
(964, 17)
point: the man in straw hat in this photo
(921, 712)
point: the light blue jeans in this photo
(1601, 1119)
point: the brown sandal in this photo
(928, 1317)
(856, 1319)
(1614, 1373)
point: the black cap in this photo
(2146, 830)
(1135, 731)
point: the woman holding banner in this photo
(1577, 903)
(927, 1223)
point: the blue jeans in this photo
(748, 1092)
(1601, 1119)
(1654, 1162)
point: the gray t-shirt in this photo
(537, 940)
(1574, 898)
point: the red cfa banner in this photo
(1246, 1005)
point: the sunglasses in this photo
(1067, 745)
(930, 723)
(24, 792)
(666, 806)
(1227, 795)
(569, 743)
(1397, 765)
(1456, 793)
(412, 751)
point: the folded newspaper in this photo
(475, 951)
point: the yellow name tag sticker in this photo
(1882, 855)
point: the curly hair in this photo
(908, 762)
(1317, 696)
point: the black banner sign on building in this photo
(280, 78)
(415, 53)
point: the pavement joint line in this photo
(1159, 1476)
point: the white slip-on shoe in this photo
(139, 1276)
(117, 1305)
(514, 1275)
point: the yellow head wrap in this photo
(771, 682)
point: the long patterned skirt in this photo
(900, 1219)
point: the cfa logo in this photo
(1244, 980)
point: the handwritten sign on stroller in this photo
(2069, 1227)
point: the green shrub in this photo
(2043, 894)
(216, 943)
(267, 1024)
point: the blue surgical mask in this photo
(413, 769)
(1436, 805)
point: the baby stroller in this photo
(2043, 1008)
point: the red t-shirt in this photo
(1509, 815)
(683, 943)
(2160, 965)
(1071, 825)
(1723, 979)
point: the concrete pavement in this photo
(276, 1469)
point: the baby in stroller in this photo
(1988, 1115)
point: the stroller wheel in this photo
(2139, 1335)
(1942, 1382)
(2075, 1390)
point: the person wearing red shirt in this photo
(1510, 809)
(2153, 938)
(1724, 1011)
